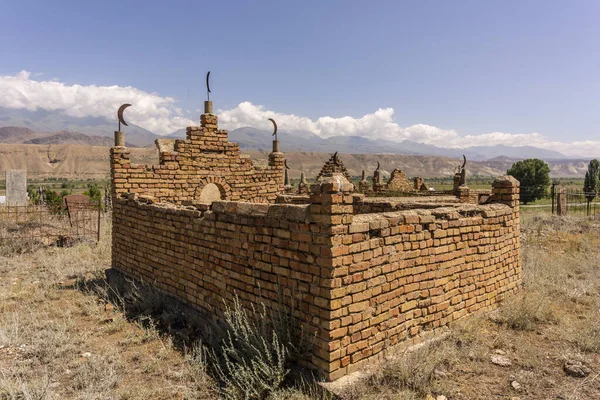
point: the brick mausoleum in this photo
(366, 273)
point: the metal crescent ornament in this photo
(120, 115)
(274, 128)
(335, 159)
(465, 162)
(208, 85)
(285, 165)
(377, 165)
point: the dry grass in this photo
(65, 334)
(59, 342)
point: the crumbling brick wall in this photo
(205, 157)
(366, 282)
(398, 182)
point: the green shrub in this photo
(94, 193)
(253, 357)
(34, 194)
(251, 360)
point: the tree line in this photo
(534, 176)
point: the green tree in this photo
(534, 176)
(94, 193)
(55, 201)
(34, 194)
(591, 185)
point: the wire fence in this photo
(579, 202)
(48, 225)
(562, 201)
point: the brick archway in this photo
(224, 188)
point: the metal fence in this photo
(575, 201)
(49, 225)
(578, 202)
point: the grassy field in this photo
(65, 334)
(72, 186)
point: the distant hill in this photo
(73, 160)
(55, 121)
(16, 135)
(64, 160)
(66, 137)
(33, 122)
(518, 152)
(255, 139)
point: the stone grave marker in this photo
(16, 187)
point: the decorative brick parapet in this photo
(185, 165)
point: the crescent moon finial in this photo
(465, 161)
(120, 115)
(208, 85)
(274, 127)
(335, 158)
(285, 165)
(378, 165)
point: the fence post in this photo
(99, 211)
(561, 202)
(552, 194)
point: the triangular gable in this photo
(334, 164)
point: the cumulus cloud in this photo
(161, 115)
(156, 113)
(381, 125)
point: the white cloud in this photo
(381, 125)
(160, 114)
(153, 112)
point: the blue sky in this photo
(467, 67)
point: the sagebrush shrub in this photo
(252, 359)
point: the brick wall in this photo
(400, 276)
(207, 257)
(365, 282)
(205, 157)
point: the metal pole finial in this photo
(120, 115)
(274, 127)
(208, 86)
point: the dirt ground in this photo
(63, 335)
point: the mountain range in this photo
(48, 122)
(18, 135)
(55, 127)
(84, 161)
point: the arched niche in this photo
(209, 193)
(212, 188)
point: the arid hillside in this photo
(64, 160)
(81, 161)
